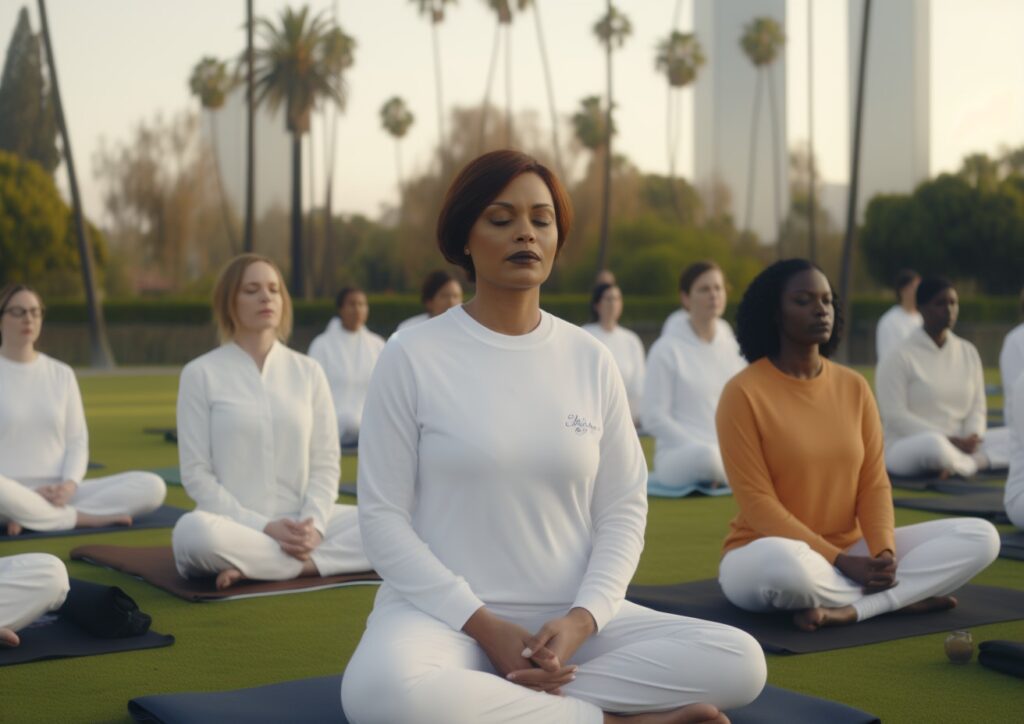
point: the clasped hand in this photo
(873, 574)
(537, 661)
(297, 538)
(969, 444)
(59, 494)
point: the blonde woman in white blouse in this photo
(258, 443)
(44, 441)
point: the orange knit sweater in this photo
(805, 459)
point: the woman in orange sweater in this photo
(802, 444)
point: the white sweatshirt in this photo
(1011, 367)
(500, 469)
(1013, 496)
(348, 359)
(685, 377)
(628, 351)
(412, 321)
(922, 387)
(893, 327)
(258, 446)
(43, 436)
(677, 325)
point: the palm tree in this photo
(396, 118)
(590, 123)
(503, 13)
(611, 30)
(101, 354)
(298, 66)
(548, 85)
(812, 210)
(434, 9)
(250, 134)
(211, 82)
(761, 42)
(679, 56)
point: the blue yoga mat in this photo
(312, 701)
(163, 517)
(53, 637)
(657, 490)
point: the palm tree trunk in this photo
(101, 356)
(606, 189)
(508, 85)
(812, 213)
(250, 138)
(776, 183)
(298, 277)
(752, 163)
(311, 246)
(484, 107)
(439, 94)
(846, 268)
(398, 168)
(550, 88)
(225, 211)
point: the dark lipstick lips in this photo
(523, 255)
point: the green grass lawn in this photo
(251, 642)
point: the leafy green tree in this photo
(28, 126)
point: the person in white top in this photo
(31, 584)
(44, 441)
(258, 446)
(901, 319)
(686, 372)
(624, 344)
(502, 499)
(439, 293)
(1011, 365)
(931, 396)
(1013, 496)
(348, 352)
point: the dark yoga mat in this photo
(311, 701)
(1013, 546)
(982, 505)
(163, 517)
(53, 637)
(155, 565)
(978, 605)
(347, 489)
(955, 486)
(169, 434)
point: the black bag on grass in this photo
(1004, 656)
(104, 611)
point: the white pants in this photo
(934, 559)
(131, 493)
(930, 452)
(411, 667)
(694, 462)
(31, 584)
(205, 544)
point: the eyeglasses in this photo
(22, 312)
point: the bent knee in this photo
(153, 489)
(194, 533)
(52, 577)
(983, 536)
(748, 673)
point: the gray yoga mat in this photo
(1013, 546)
(169, 434)
(347, 489)
(53, 637)
(978, 605)
(312, 701)
(163, 517)
(988, 505)
(171, 475)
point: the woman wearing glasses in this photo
(44, 443)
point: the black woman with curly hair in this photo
(802, 444)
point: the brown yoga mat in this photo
(155, 565)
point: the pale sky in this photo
(121, 61)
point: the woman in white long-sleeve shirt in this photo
(686, 372)
(931, 395)
(439, 293)
(258, 444)
(44, 441)
(624, 344)
(31, 584)
(502, 499)
(1013, 496)
(900, 319)
(348, 352)
(1011, 365)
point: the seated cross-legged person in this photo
(258, 444)
(802, 444)
(624, 344)
(348, 352)
(685, 375)
(931, 393)
(31, 584)
(44, 441)
(1013, 496)
(1011, 364)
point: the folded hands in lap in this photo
(297, 538)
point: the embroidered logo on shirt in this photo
(580, 425)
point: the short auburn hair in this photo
(225, 291)
(476, 186)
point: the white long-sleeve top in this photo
(43, 436)
(677, 324)
(1014, 492)
(628, 351)
(348, 359)
(500, 470)
(1011, 367)
(412, 321)
(685, 377)
(893, 327)
(256, 446)
(922, 387)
